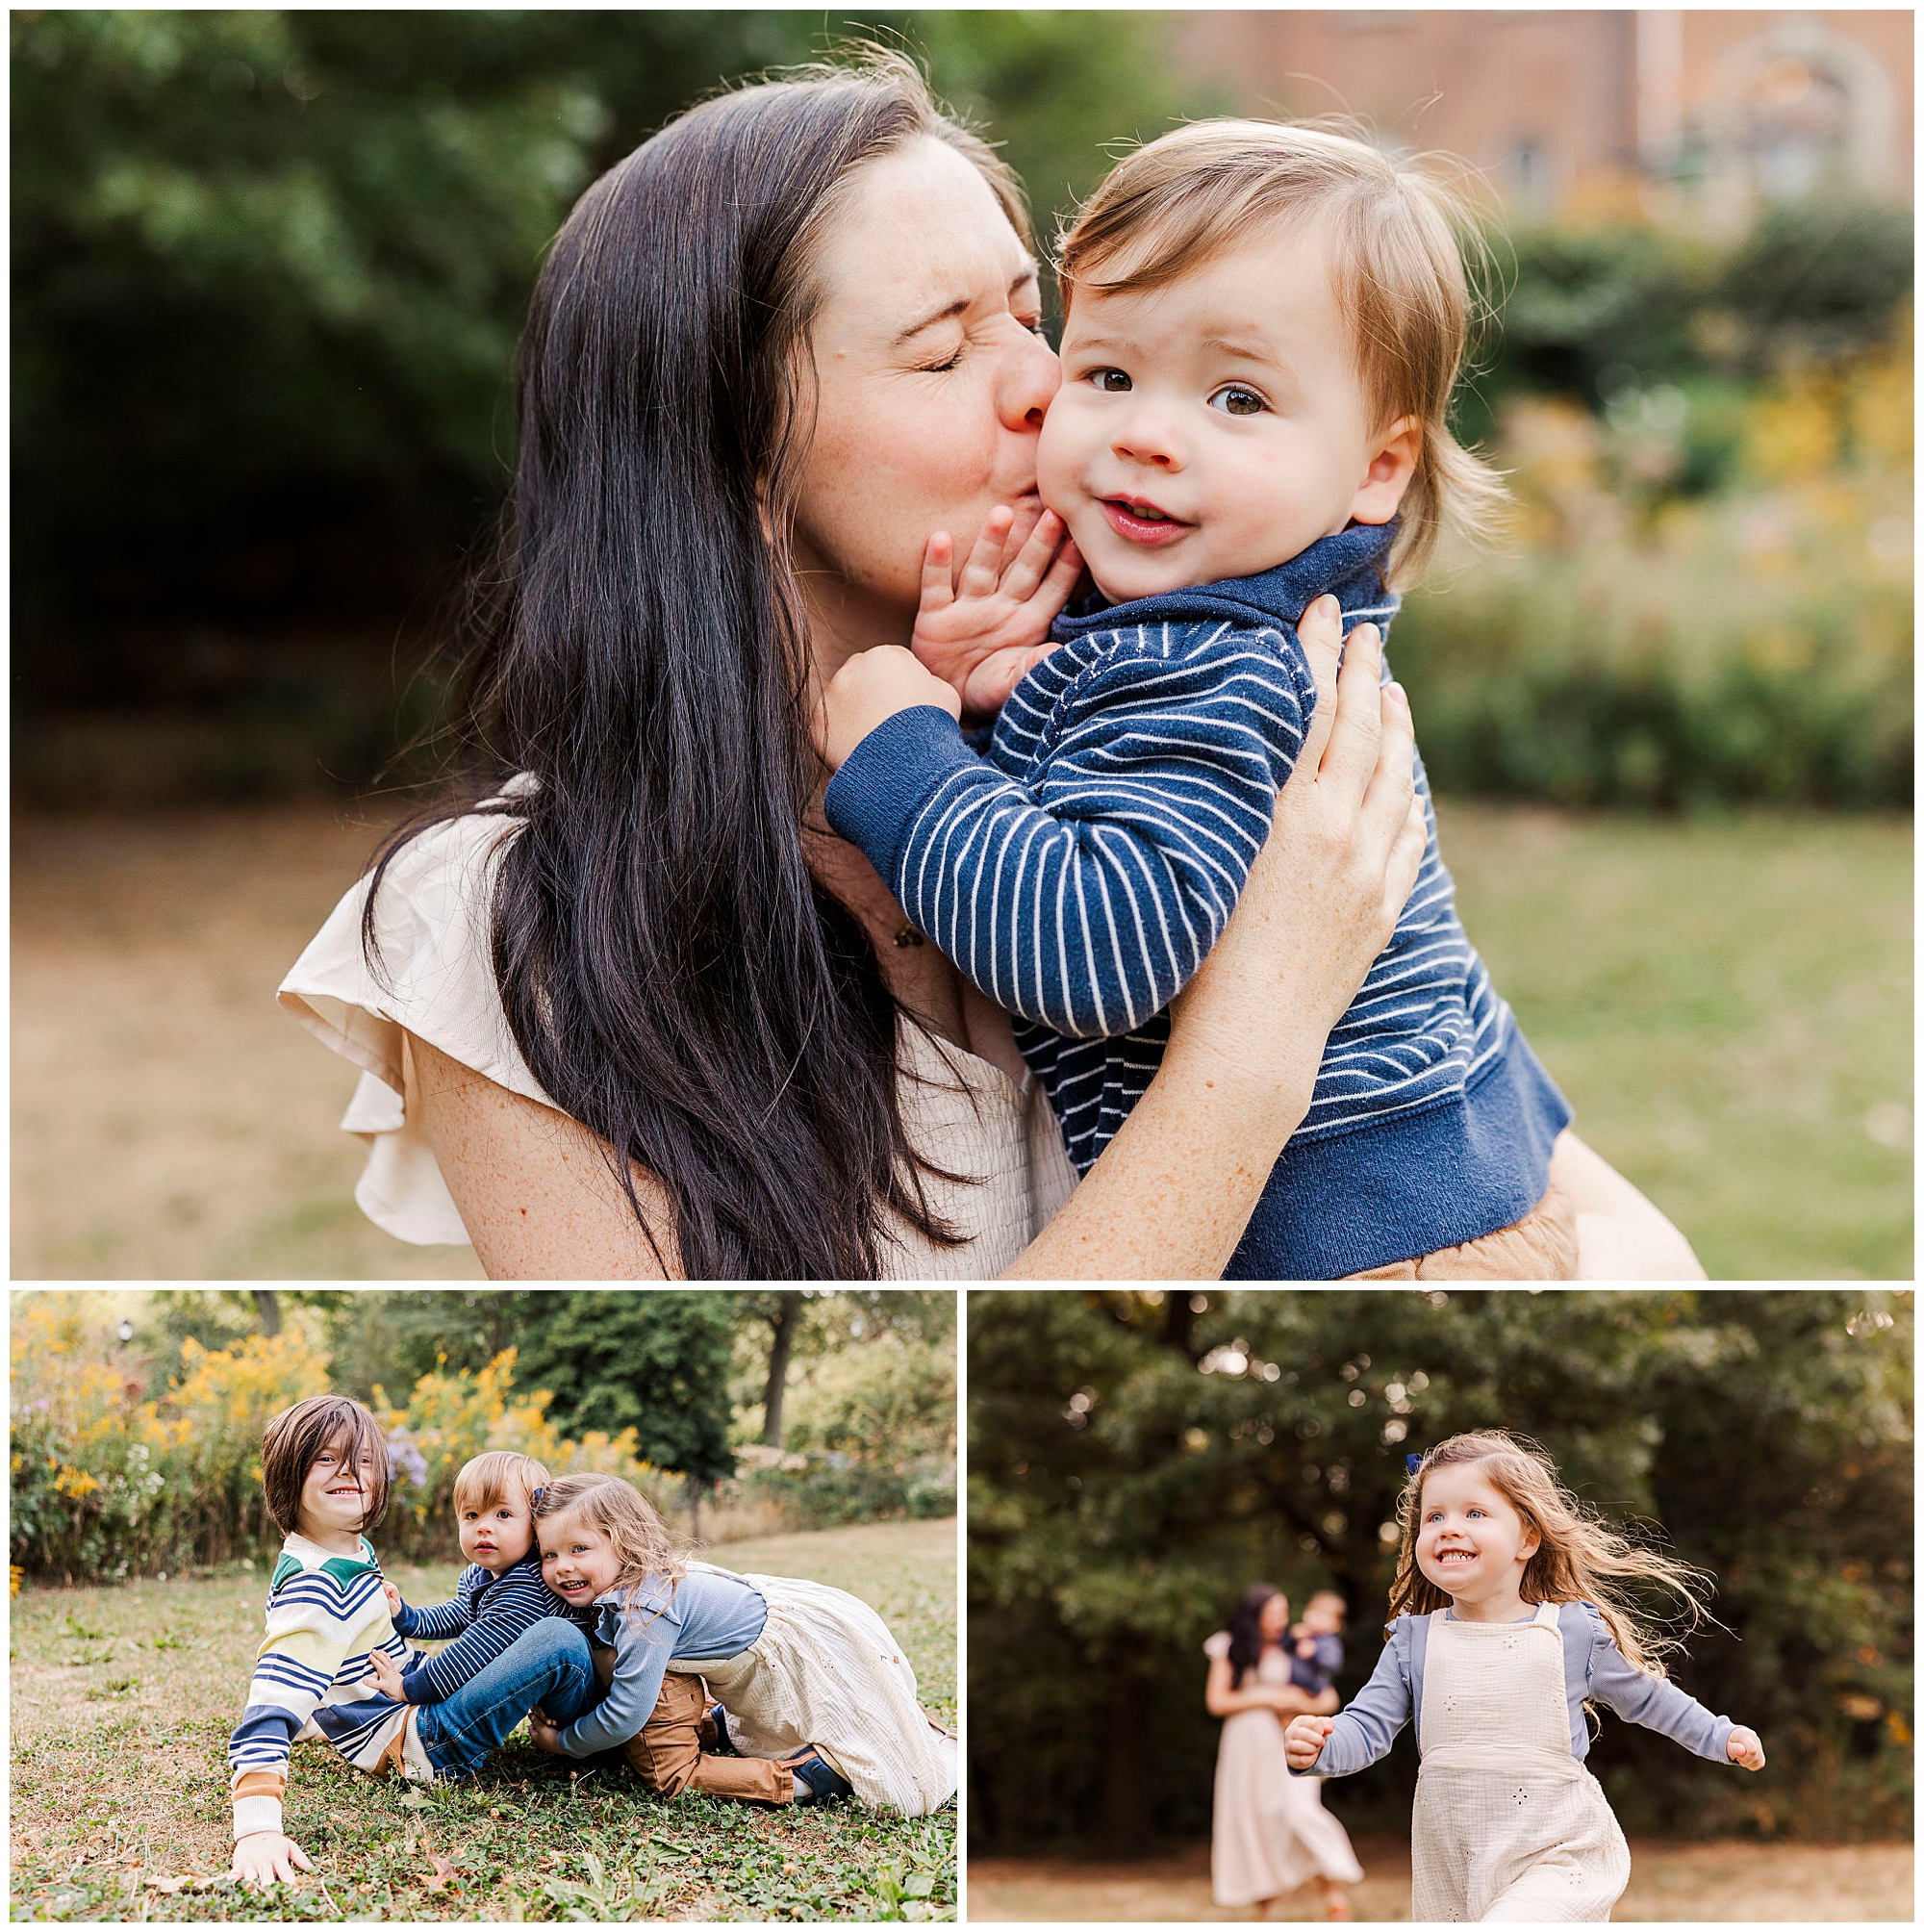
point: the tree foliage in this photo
(656, 1362)
(1136, 1459)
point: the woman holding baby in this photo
(626, 1006)
(1271, 1833)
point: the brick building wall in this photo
(1695, 116)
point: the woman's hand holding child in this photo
(1303, 1741)
(984, 631)
(1745, 1748)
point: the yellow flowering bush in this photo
(93, 1490)
(106, 1484)
(450, 1418)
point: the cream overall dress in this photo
(1507, 1824)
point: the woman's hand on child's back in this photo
(868, 691)
(1745, 1748)
(264, 1856)
(1303, 1741)
(983, 631)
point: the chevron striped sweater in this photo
(326, 1614)
(1081, 872)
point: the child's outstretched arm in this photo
(1363, 1731)
(313, 1628)
(1085, 900)
(1659, 1705)
(981, 631)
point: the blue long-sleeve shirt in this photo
(1081, 871)
(486, 1614)
(709, 1614)
(1593, 1667)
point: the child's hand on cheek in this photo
(868, 691)
(1745, 1748)
(983, 634)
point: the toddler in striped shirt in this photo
(1263, 326)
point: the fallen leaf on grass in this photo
(444, 1873)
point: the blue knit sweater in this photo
(1081, 871)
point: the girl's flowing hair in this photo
(625, 1517)
(1579, 1557)
(1246, 1637)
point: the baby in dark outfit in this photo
(1316, 1644)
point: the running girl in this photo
(1508, 1615)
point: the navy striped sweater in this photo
(486, 1614)
(1081, 871)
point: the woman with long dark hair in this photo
(624, 1005)
(1271, 1833)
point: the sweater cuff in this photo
(414, 1685)
(1720, 1742)
(889, 777)
(257, 1804)
(403, 1621)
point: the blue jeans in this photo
(549, 1664)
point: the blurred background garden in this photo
(136, 1416)
(268, 273)
(1137, 1460)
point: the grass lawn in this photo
(122, 1702)
(1728, 1005)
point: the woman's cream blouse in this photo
(435, 979)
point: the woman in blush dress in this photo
(1272, 1832)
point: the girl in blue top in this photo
(1507, 1621)
(807, 1674)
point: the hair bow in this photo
(1413, 1463)
(534, 1499)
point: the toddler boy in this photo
(1316, 1643)
(1263, 324)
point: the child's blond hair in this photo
(1579, 1557)
(1181, 200)
(621, 1513)
(494, 1476)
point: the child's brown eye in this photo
(1236, 400)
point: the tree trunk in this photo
(788, 1305)
(1127, 1818)
(269, 1301)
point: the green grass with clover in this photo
(122, 1699)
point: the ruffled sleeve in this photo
(431, 975)
(1217, 1648)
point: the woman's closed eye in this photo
(1237, 398)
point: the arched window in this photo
(1796, 126)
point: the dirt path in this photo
(1770, 1883)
